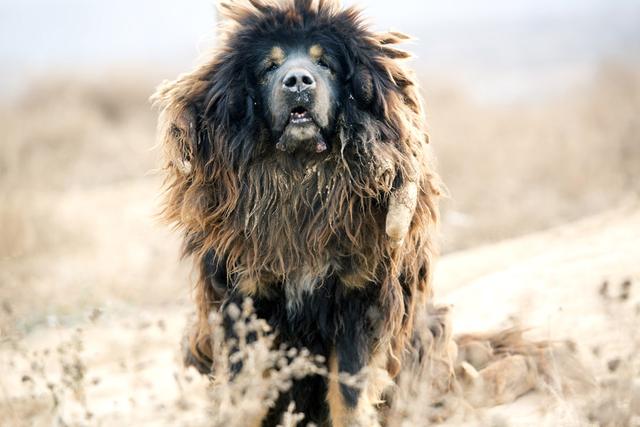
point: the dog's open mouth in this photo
(301, 132)
(300, 115)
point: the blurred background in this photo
(533, 108)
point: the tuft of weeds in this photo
(250, 371)
(64, 382)
(616, 400)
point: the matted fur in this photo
(257, 217)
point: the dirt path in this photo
(554, 283)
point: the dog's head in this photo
(303, 78)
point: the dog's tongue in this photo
(321, 146)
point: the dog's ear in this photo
(228, 101)
(376, 72)
(238, 103)
(371, 84)
(180, 122)
(362, 86)
(194, 109)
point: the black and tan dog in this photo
(297, 169)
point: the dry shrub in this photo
(458, 380)
(433, 387)
(615, 402)
(426, 390)
(262, 370)
(54, 385)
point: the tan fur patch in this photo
(337, 408)
(316, 51)
(364, 414)
(276, 55)
(248, 285)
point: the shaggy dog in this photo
(298, 171)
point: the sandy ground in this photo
(110, 354)
(554, 283)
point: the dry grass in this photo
(64, 135)
(513, 169)
(265, 371)
(79, 246)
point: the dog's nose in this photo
(298, 80)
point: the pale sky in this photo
(462, 36)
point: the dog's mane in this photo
(265, 214)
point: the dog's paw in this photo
(192, 354)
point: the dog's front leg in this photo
(357, 374)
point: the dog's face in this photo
(299, 88)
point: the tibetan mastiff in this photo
(298, 172)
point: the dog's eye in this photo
(272, 67)
(322, 63)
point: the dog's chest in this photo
(300, 285)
